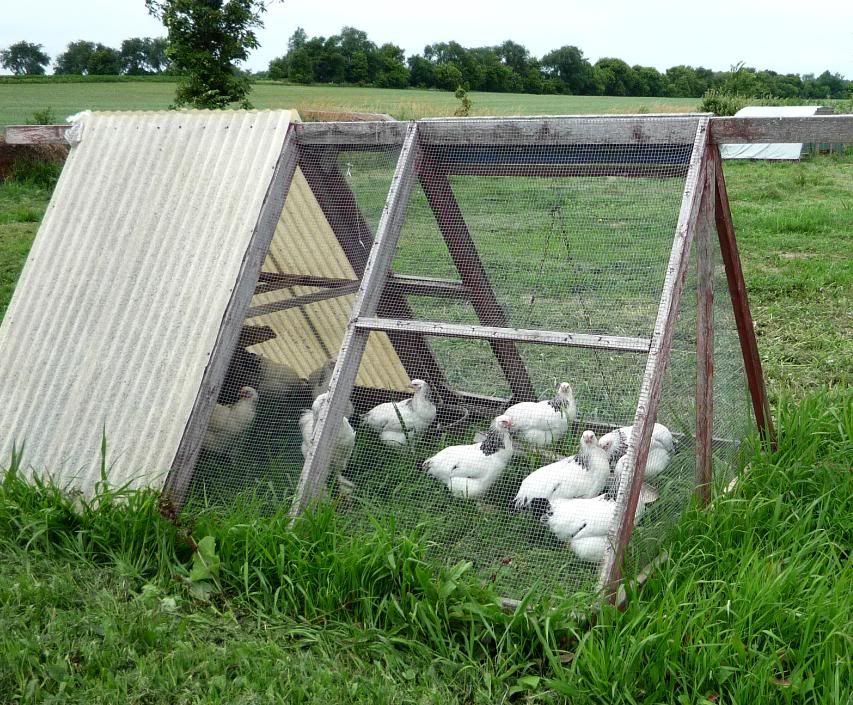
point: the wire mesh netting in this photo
(290, 337)
(509, 343)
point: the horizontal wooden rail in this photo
(815, 128)
(427, 286)
(581, 129)
(36, 134)
(541, 337)
(343, 133)
(315, 296)
(272, 281)
(555, 171)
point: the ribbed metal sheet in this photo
(121, 299)
(308, 336)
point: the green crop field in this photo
(115, 604)
(18, 101)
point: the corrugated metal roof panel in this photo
(120, 302)
(308, 336)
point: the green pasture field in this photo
(18, 101)
(752, 607)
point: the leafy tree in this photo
(278, 68)
(297, 40)
(617, 77)
(207, 40)
(24, 58)
(448, 76)
(88, 58)
(514, 55)
(391, 71)
(421, 72)
(683, 81)
(144, 55)
(75, 58)
(827, 85)
(104, 61)
(650, 81)
(350, 57)
(458, 59)
(569, 66)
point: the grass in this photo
(115, 604)
(109, 602)
(18, 101)
(21, 209)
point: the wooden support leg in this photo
(740, 304)
(705, 339)
(442, 201)
(353, 233)
(650, 391)
(316, 468)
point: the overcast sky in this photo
(787, 36)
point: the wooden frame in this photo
(341, 210)
(659, 353)
(316, 468)
(705, 337)
(231, 328)
(443, 149)
(528, 130)
(740, 302)
(464, 254)
(541, 337)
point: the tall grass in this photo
(753, 605)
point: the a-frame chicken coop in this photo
(491, 259)
(543, 250)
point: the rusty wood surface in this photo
(814, 128)
(705, 339)
(740, 304)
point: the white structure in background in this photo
(790, 151)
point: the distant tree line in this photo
(351, 58)
(138, 56)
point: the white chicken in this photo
(586, 523)
(416, 413)
(342, 449)
(580, 475)
(656, 463)
(319, 381)
(616, 442)
(228, 423)
(470, 471)
(542, 423)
